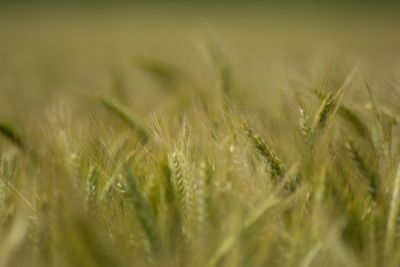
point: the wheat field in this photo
(239, 139)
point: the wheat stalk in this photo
(362, 166)
(142, 211)
(266, 152)
(305, 125)
(390, 234)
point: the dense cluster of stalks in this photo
(207, 181)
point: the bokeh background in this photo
(63, 49)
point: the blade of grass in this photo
(131, 122)
(166, 75)
(11, 135)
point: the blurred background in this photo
(54, 50)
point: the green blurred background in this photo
(53, 50)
